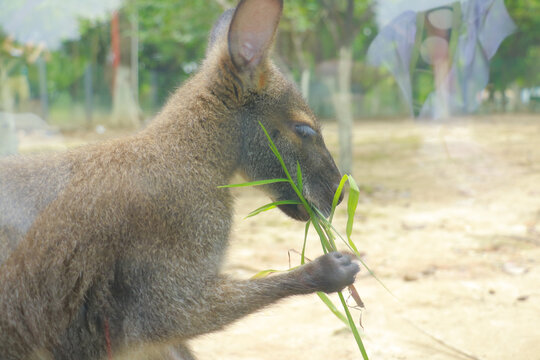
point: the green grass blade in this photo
(274, 149)
(302, 256)
(352, 326)
(352, 203)
(264, 273)
(312, 215)
(325, 230)
(291, 182)
(331, 229)
(254, 183)
(299, 177)
(272, 206)
(326, 300)
(326, 246)
(377, 279)
(353, 248)
(328, 232)
(337, 195)
(349, 243)
(273, 146)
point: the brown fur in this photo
(132, 233)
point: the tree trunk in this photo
(125, 112)
(8, 134)
(88, 94)
(297, 41)
(154, 89)
(43, 94)
(304, 83)
(135, 57)
(342, 100)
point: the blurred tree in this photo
(125, 112)
(518, 59)
(8, 134)
(298, 38)
(333, 34)
(344, 20)
(172, 38)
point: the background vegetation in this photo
(322, 45)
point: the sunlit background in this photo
(433, 106)
(99, 64)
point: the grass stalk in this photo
(324, 228)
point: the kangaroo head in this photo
(263, 94)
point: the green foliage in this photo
(255, 183)
(518, 58)
(324, 228)
(324, 26)
(273, 206)
(172, 33)
(172, 37)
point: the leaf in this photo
(325, 231)
(254, 183)
(272, 206)
(328, 232)
(291, 182)
(273, 146)
(274, 149)
(353, 328)
(326, 246)
(326, 300)
(352, 203)
(339, 190)
(299, 176)
(264, 273)
(303, 257)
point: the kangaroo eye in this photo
(305, 130)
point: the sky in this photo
(386, 10)
(50, 21)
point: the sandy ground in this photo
(449, 220)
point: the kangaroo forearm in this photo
(229, 300)
(225, 300)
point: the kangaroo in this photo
(115, 246)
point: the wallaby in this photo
(114, 246)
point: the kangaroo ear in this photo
(252, 30)
(219, 30)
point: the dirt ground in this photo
(449, 220)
